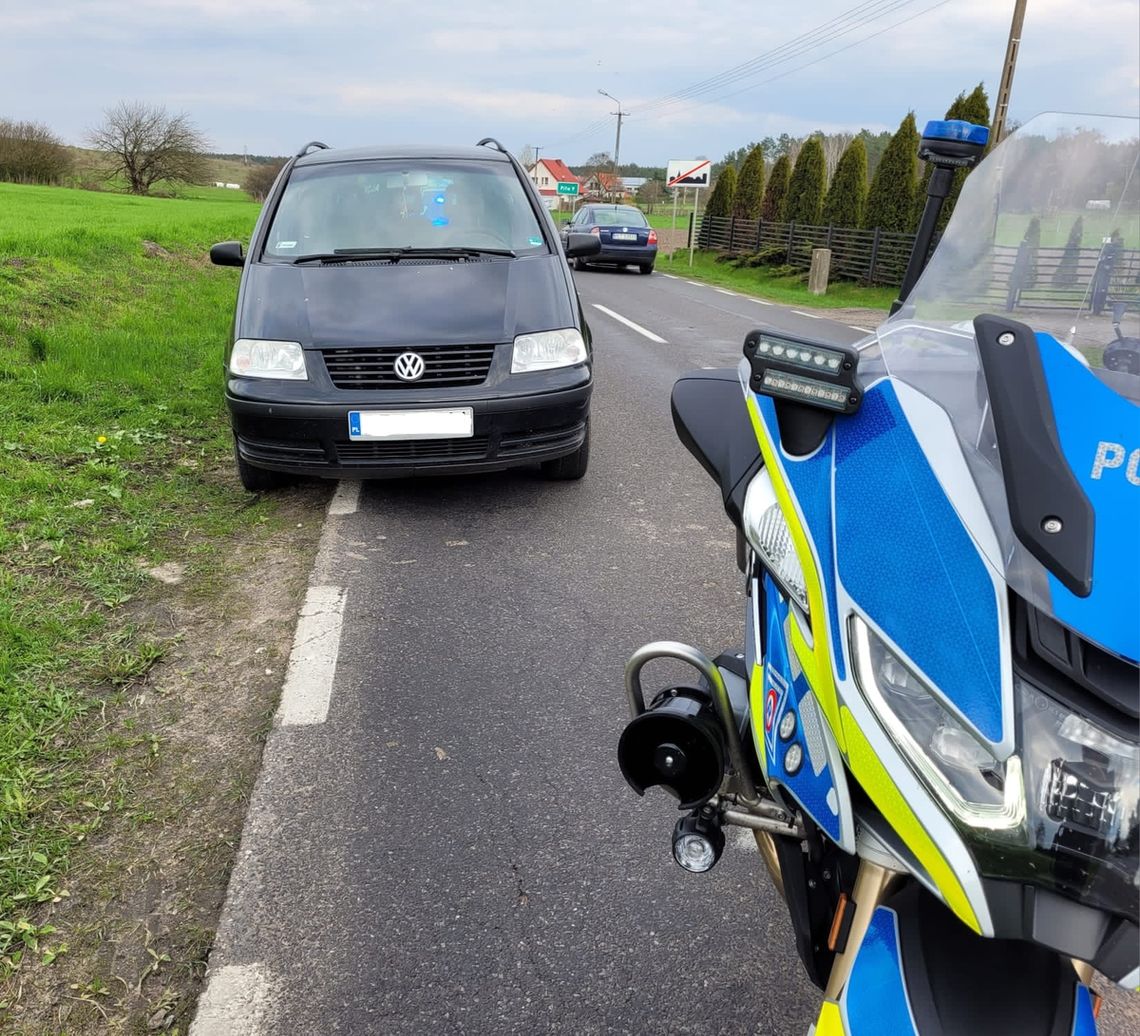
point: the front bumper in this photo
(312, 438)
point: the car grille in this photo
(421, 451)
(294, 454)
(375, 368)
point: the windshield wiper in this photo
(352, 255)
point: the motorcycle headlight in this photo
(1083, 786)
(545, 350)
(256, 358)
(767, 531)
(953, 763)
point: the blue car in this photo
(627, 238)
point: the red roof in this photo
(559, 170)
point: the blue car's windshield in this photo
(417, 204)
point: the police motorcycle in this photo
(932, 725)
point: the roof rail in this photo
(311, 144)
(491, 140)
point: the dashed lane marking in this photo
(346, 499)
(810, 316)
(630, 324)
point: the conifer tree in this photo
(891, 197)
(723, 194)
(1066, 272)
(848, 192)
(750, 186)
(776, 192)
(805, 189)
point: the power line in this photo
(849, 21)
(806, 64)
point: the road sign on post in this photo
(688, 172)
(568, 188)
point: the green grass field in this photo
(114, 452)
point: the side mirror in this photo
(227, 253)
(582, 245)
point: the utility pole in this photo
(1001, 109)
(617, 143)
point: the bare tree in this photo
(834, 144)
(31, 153)
(260, 178)
(148, 145)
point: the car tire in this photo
(259, 480)
(646, 268)
(571, 467)
(580, 265)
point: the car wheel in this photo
(646, 267)
(580, 264)
(259, 480)
(571, 467)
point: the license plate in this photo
(624, 237)
(411, 424)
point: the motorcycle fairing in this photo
(1099, 431)
(874, 999)
(921, 580)
(949, 868)
(817, 659)
(819, 784)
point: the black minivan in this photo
(405, 311)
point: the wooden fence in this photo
(1008, 277)
(870, 256)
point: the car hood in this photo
(407, 303)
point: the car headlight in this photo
(767, 531)
(952, 762)
(255, 358)
(545, 350)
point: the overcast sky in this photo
(268, 75)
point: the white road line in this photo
(630, 324)
(801, 313)
(671, 276)
(312, 663)
(695, 284)
(761, 302)
(346, 499)
(865, 330)
(236, 1002)
(722, 291)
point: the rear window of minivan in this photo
(403, 204)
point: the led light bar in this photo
(804, 372)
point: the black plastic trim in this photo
(948, 967)
(317, 145)
(711, 419)
(1039, 484)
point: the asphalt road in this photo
(454, 850)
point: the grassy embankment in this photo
(774, 285)
(113, 453)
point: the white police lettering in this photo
(1111, 455)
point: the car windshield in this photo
(620, 217)
(342, 206)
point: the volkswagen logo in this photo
(409, 366)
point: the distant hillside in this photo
(223, 168)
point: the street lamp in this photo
(620, 115)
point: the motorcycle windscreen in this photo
(1046, 232)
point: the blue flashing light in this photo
(440, 221)
(956, 129)
(439, 199)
